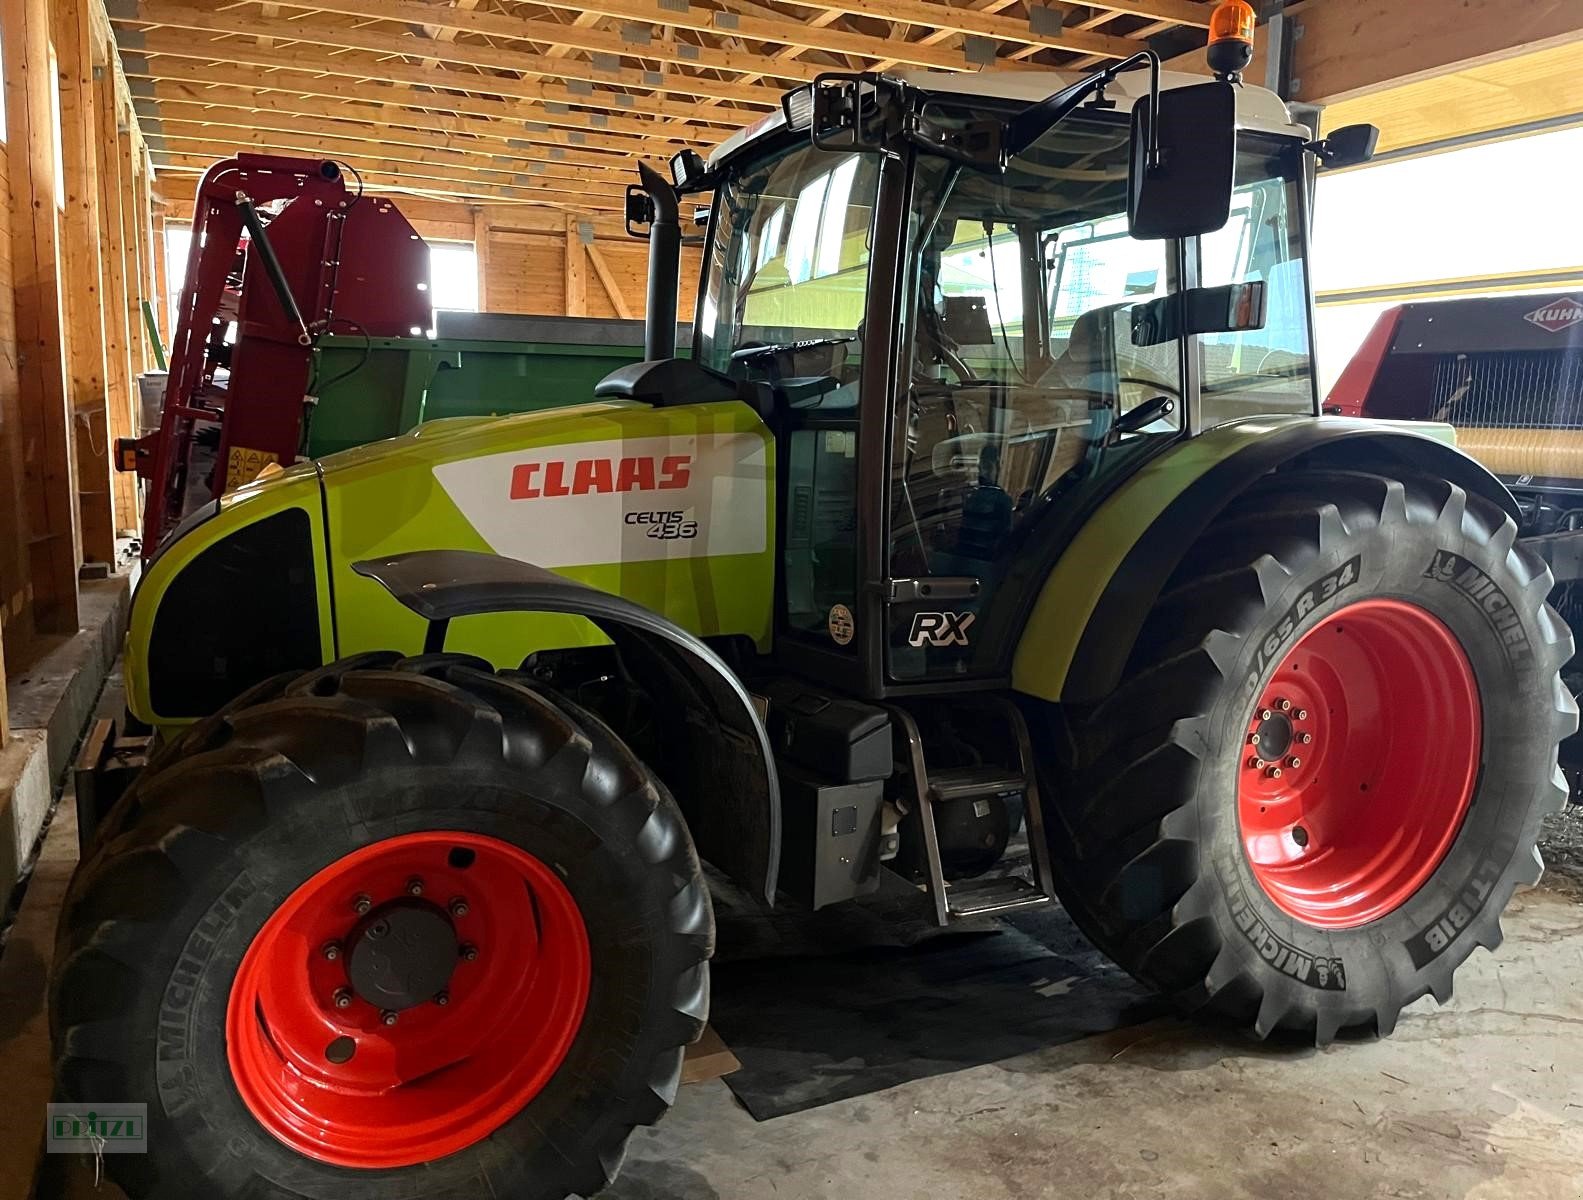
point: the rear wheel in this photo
(392, 928)
(1323, 774)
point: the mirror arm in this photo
(1029, 125)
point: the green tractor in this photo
(992, 508)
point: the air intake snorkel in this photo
(665, 255)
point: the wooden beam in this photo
(454, 180)
(607, 280)
(735, 23)
(179, 104)
(49, 469)
(1352, 47)
(130, 178)
(481, 218)
(575, 271)
(401, 182)
(391, 141)
(377, 140)
(122, 386)
(467, 116)
(81, 291)
(487, 95)
(317, 38)
(571, 35)
(792, 30)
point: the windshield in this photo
(784, 293)
(1024, 383)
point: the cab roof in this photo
(1257, 108)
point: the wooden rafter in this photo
(487, 99)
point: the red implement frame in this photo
(348, 263)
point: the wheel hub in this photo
(402, 955)
(407, 999)
(1359, 763)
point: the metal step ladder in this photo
(979, 897)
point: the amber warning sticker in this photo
(243, 464)
(623, 500)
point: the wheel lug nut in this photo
(362, 904)
(1253, 739)
(1265, 714)
(1305, 738)
(332, 950)
(343, 997)
(1302, 714)
(387, 1017)
(458, 907)
(1256, 763)
(1274, 772)
(1294, 762)
(469, 953)
(414, 886)
(442, 999)
(1284, 705)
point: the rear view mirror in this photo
(1234, 308)
(1183, 162)
(1349, 146)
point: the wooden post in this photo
(161, 297)
(49, 469)
(112, 254)
(132, 247)
(81, 291)
(481, 229)
(576, 270)
(5, 717)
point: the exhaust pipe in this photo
(665, 258)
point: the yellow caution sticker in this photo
(242, 465)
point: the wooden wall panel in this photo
(16, 589)
(48, 461)
(81, 290)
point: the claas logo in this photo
(600, 476)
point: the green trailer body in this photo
(476, 365)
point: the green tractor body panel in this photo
(672, 508)
(560, 490)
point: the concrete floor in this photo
(1478, 1100)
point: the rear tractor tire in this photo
(393, 928)
(1324, 771)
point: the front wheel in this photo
(388, 929)
(1324, 772)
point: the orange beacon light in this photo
(1231, 29)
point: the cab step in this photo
(990, 897)
(978, 897)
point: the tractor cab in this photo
(968, 307)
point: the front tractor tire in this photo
(1324, 771)
(400, 928)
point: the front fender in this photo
(1082, 627)
(732, 795)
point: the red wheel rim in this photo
(451, 1067)
(1359, 763)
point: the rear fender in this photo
(1082, 628)
(723, 776)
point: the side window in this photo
(1267, 370)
